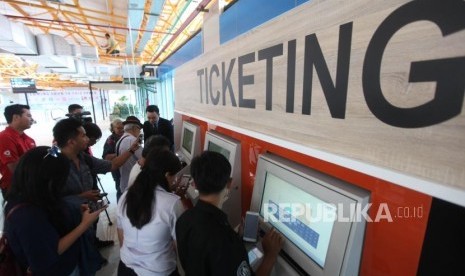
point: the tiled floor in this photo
(105, 231)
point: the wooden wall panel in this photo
(435, 152)
(211, 28)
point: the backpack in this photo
(8, 264)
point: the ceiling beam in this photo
(143, 25)
(79, 23)
(191, 17)
(63, 7)
(24, 13)
(103, 19)
(80, 33)
(55, 17)
(84, 19)
(169, 17)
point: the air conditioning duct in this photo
(131, 71)
(86, 52)
(69, 66)
(50, 45)
(53, 62)
(16, 38)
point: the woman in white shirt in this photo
(146, 219)
(154, 142)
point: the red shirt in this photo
(12, 146)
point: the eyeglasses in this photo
(53, 151)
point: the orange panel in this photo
(390, 248)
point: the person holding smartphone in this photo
(44, 232)
(207, 244)
(132, 130)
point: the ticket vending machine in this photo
(231, 149)
(189, 148)
(190, 142)
(318, 216)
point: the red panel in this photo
(390, 248)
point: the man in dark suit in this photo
(157, 125)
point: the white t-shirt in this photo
(136, 169)
(150, 250)
(125, 143)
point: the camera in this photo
(83, 117)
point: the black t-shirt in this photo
(207, 245)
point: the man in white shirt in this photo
(111, 46)
(132, 127)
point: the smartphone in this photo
(251, 226)
(254, 255)
(141, 138)
(185, 180)
(97, 205)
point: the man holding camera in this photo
(74, 109)
(75, 112)
(132, 128)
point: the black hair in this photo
(92, 130)
(211, 172)
(66, 129)
(140, 197)
(73, 107)
(39, 179)
(15, 109)
(152, 108)
(155, 142)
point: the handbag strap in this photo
(119, 143)
(3, 237)
(14, 209)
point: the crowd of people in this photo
(50, 195)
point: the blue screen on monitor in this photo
(304, 219)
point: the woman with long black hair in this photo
(41, 230)
(147, 215)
